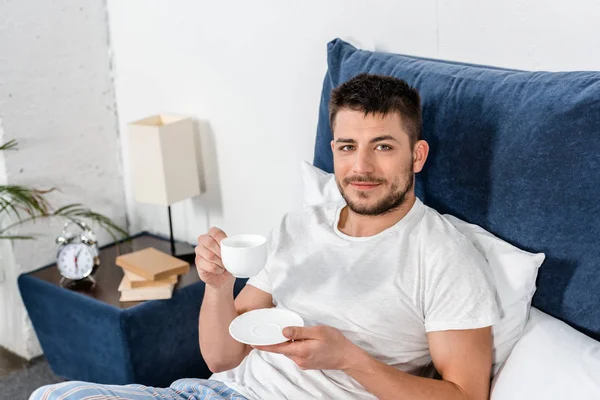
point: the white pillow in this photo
(319, 186)
(550, 361)
(515, 270)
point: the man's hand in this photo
(317, 347)
(208, 260)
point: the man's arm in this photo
(220, 351)
(462, 357)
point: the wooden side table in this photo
(92, 336)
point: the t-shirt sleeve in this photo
(460, 290)
(261, 280)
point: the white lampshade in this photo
(163, 160)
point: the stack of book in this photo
(149, 274)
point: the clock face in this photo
(75, 261)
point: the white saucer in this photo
(263, 327)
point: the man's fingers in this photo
(211, 268)
(217, 234)
(300, 362)
(206, 251)
(276, 348)
(301, 333)
(288, 349)
(211, 244)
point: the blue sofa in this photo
(152, 343)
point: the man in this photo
(385, 283)
(387, 287)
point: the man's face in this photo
(373, 161)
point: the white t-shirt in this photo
(383, 292)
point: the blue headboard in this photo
(515, 152)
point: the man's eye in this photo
(384, 147)
(347, 147)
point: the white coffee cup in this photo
(244, 256)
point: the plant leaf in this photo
(32, 201)
(8, 205)
(67, 208)
(76, 210)
(15, 198)
(17, 237)
(10, 145)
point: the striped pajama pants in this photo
(182, 389)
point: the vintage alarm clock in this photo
(78, 256)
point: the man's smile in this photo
(364, 185)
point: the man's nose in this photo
(363, 163)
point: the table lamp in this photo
(164, 167)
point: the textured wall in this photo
(57, 100)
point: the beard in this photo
(395, 197)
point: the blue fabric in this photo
(183, 389)
(153, 343)
(81, 338)
(515, 152)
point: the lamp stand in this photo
(189, 257)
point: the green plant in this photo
(28, 204)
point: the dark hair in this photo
(378, 94)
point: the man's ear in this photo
(332, 145)
(420, 153)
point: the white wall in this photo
(57, 100)
(552, 35)
(252, 72)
